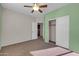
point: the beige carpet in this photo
(23, 49)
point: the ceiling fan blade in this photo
(43, 6)
(32, 11)
(40, 11)
(27, 6)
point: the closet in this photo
(52, 30)
(59, 31)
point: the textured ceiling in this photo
(19, 7)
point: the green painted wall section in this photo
(73, 11)
(0, 23)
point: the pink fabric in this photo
(71, 54)
(49, 52)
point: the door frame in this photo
(37, 28)
(49, 30)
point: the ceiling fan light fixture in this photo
(35, 7)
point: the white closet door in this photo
(34, 30)
(62, 31)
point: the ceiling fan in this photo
(36, 7)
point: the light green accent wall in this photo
(73, 11)
(0, 23)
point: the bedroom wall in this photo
(16, 27)
(73, 11)
(0, 23)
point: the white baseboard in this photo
(3, 45)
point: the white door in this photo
(62, 31)
(34, 30)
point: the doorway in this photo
(52, 31)
(40, 30)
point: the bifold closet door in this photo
(62, 31)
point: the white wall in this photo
(39, 19)
(0, 23)
(34, 30)
(16, 27)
